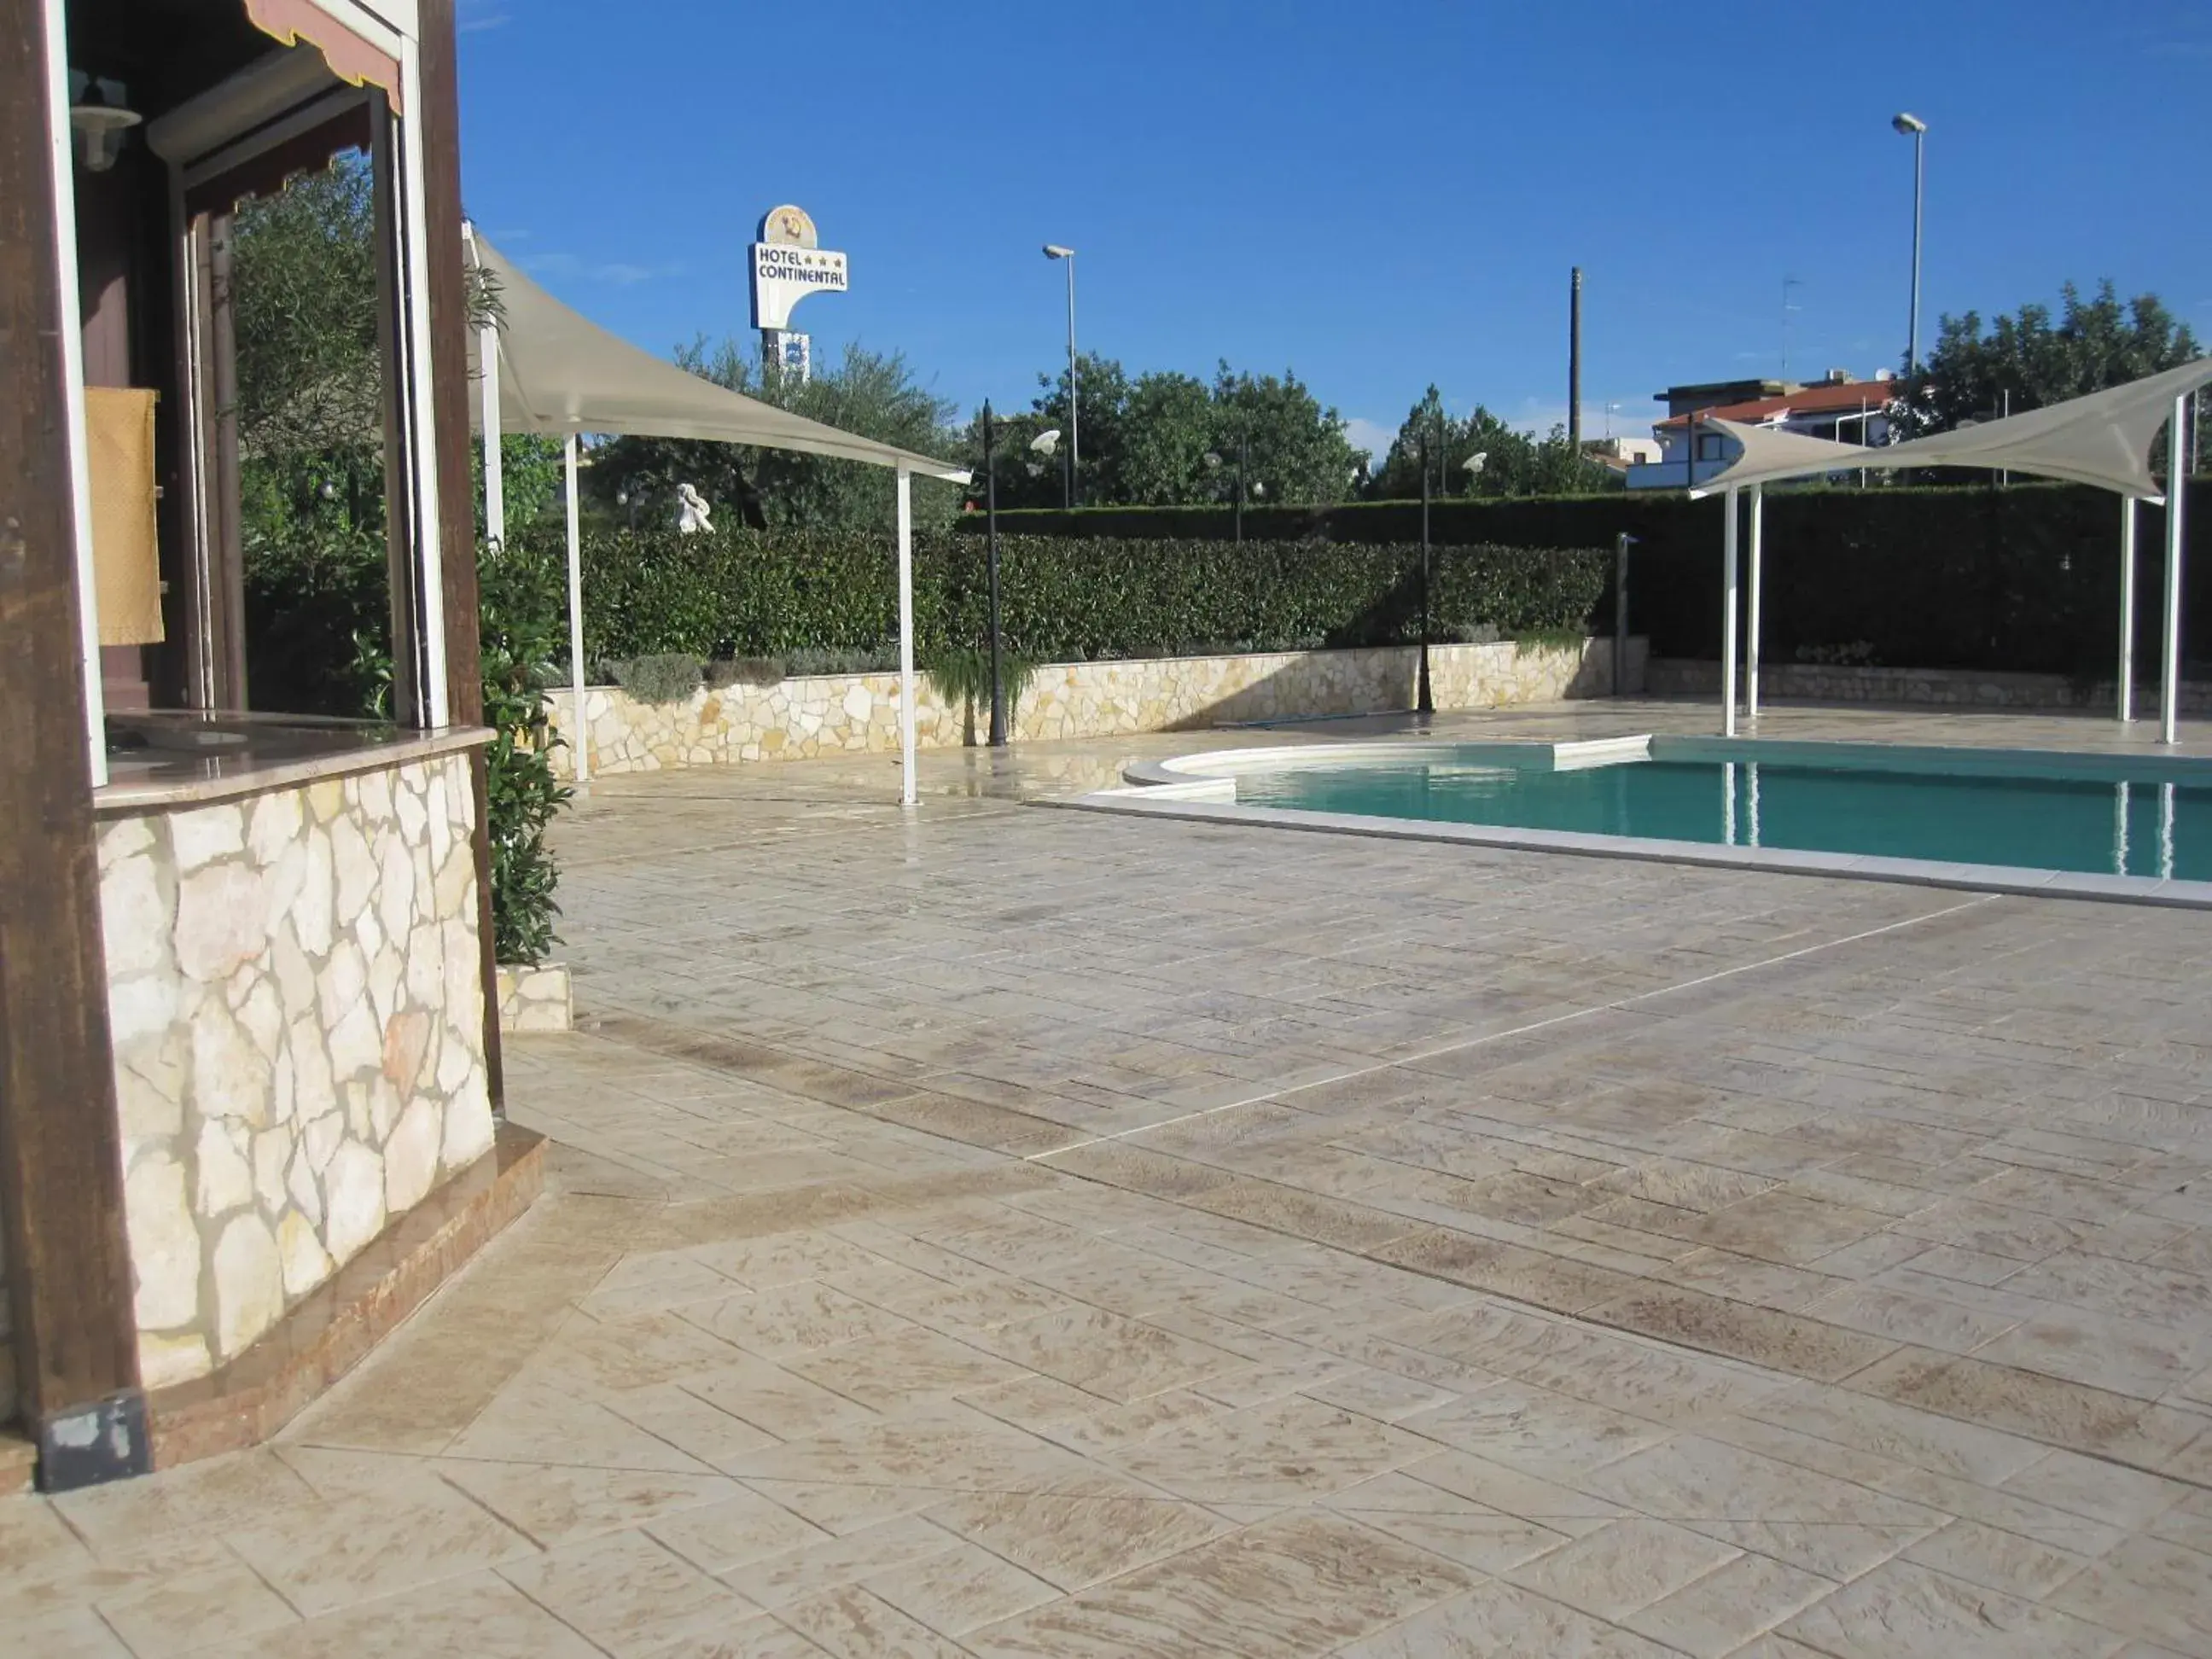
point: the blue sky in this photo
(1375, 196)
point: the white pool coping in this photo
(1202, 789)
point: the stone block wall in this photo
(1942, 688)
(833, 713)
(536, 999)
(295, 991)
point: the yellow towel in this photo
(125, 553)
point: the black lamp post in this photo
(1424, 702)
(1243, 458)
(991, 561)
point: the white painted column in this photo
(1751, 631)
(907, 793)
(1727, 617)
(580, 741)
(2126, 677)
(2177, 492)
(414, 228)
(64, 162)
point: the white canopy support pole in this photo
(580, 741)
(1751, 631)
(2126, 687)
(63, 159)
(494, 464)
(1727, 617)
(907, 793)
(2177, 491)
(495, 482)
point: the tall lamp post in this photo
(1055, 251)
(1912, 126)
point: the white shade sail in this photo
(560, 374)
(557, 372)
(1772, 451)
(2103, 439)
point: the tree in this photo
(1102, 405)
(2095, 343)
(872, 394)
(1513, 463)
(310, 380)
(1298, 454)
(1171, 428)
(1167, 438)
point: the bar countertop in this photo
(165, 759)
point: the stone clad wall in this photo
(295, 989)
(835, 714)
(1949, 687)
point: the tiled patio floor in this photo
(1002, 1231)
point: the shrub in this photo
(1948, 576)
(663, 677)
(829, 604)
(962, 677)
(802, 663)
(521, 630)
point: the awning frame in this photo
(2102, 440)
(545, 368)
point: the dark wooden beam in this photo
(441, 136)
(61, 1170)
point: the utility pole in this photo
(1575, 361)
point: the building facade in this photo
(1838, 407)
(249, 1056)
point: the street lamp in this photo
(1055, 251)
(1912, 127)
(991, 561)
(1424, 702)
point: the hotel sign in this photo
(788, 264)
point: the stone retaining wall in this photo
(536, 999)
(295, 992)
(835, 714)
(1961, 688)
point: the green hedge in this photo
(2023, 578)
(736, 593)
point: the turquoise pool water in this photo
(2098, 825)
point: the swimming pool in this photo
(2120, 825)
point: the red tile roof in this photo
(1821, 399)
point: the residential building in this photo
(1838, 407)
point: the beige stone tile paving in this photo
(1002, 1231)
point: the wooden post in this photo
(441, 138)
(61, 1169)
